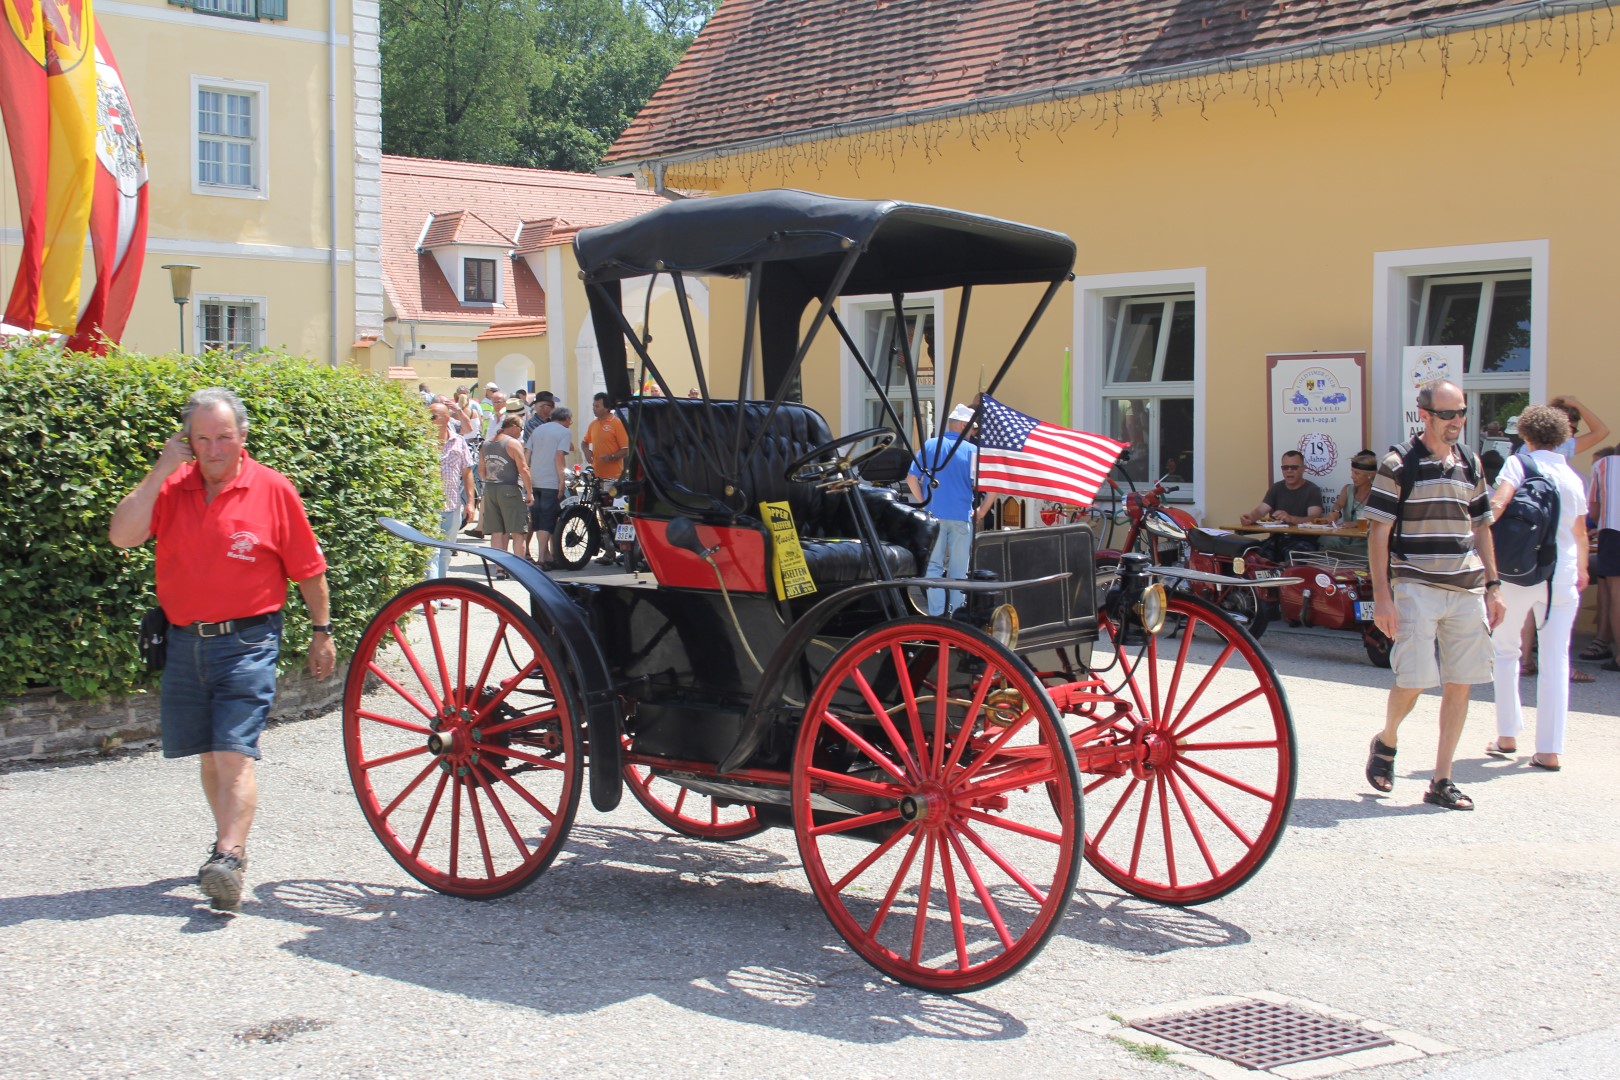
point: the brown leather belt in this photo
(220, 629)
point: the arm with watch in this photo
(1495, 609)
(322, 651)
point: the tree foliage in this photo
(542, 83)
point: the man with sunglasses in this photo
(1292, 499)
(1435, 590)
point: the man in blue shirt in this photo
(949, 498)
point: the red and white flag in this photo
(118, 211)
(1020, 455)
(25, 106)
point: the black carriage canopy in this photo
(796, 247)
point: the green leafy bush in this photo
(79, 432)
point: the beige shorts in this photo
(1443, 637)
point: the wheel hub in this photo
(925, 807)
(1158, 750)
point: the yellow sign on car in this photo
(788, 568)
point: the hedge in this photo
(79, 432)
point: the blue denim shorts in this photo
(217, 691)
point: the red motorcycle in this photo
(1157, 530)
(1334, 591)
(1237, 555)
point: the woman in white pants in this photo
(1543, 429)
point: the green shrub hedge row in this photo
(78, 432)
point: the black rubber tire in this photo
(1378, 647)
(578, 537)
(1241, 600)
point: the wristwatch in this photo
(322, 628)
(1497, 583)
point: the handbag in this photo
(153, 639)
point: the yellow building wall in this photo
(276, 247)
(1283, 209)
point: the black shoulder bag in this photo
(153, 639)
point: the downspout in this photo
(331, 154)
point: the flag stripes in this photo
(1020, 455)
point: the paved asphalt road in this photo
(643, 952)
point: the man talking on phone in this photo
(230, 534)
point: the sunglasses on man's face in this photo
(1290, 468)
(1446, 414)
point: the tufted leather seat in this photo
(670, 436)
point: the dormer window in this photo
(478, 277)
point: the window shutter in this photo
(180, 3)
(269, 9)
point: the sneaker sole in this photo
(222, 887)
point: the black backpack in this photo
(1525, 535)
(1411, 461)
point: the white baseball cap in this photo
(962, 413)
(492, 386)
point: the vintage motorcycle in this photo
(595, 518)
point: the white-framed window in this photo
(479, 281)
(1491, 299)
(244, 8)
(887, 344)
(230, 322)
(230, 146)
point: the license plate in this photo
(1261, 575)
(1364, 611)
(625, 532)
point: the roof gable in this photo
(764, 69)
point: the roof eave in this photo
(656, 165)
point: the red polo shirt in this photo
(231, 558)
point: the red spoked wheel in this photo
(689, 812)
(936, 805)
(1190, 793)
(465, 752)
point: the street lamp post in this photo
(180, 286)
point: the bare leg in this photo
(542, 547)
(1453, 715)
(1611, 589)
(1399, 706)
(233, 795)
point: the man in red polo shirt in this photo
(230, 534)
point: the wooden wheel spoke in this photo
(942, 686)
(1175, 676)
(1230, 781)
(390, 721)
(405, 792)
(455, 826)
(1164, 824)
(1117, 634)
(1203, 683)
(1026, 776)
(1125, 798)
(495, 644)
(393, 684)
(1141, 826)
(523, 793)
(505, 691)
(1235, 703)
(1192, 825)
(900, 876)
(970, 720)
(913, 770)
(1016, 826)
(991, 910)
(843, 825)
(500, 810)
(478, 823)
(1247, 744)
(872, 856)
(854, 785)
(512, 752)
(953, 903)
(994, 750)
(1037, 894)
(919, 928)
(416, 665)
(427, 818)
(389, 759)
(876, 756)
(1214, 808)
(526, 720)
(450, 692)
(908, 693)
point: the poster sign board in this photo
(1422, 365)
(1317, 405)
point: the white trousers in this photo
(1552, 661)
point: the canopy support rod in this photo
(1029, 328)
(871, 378)
(899, 301)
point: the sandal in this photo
(1576, 675)
(1381, 766)
(1496, 749)
(1598, 650)
(1445, 794)
(1535, 761)
(1527, 669)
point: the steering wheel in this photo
(805, 469)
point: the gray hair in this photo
(561, 413)
(209, 398)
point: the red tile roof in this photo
(486, 205)
(764, 69)
(521, 328)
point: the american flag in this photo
(1021, 455)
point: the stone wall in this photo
(47, 724)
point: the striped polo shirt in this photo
(1438, 521)
(1606, 486)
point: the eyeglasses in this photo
(1290, 468)
(1446, 414)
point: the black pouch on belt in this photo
(154, 639)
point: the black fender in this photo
(593, 686)
(777, 669)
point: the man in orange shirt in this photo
(230, 534)
(606, 443)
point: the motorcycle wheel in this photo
(1247, 603)
(1378, 646)
(578, 536)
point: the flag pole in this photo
(1068, 389)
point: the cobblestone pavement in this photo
(1490, 932)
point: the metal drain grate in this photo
(1261, 1035)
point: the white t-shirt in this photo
(1571, 505)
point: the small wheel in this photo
(578, 536)
(688, 812)
(808, 469)
(1378, 646)
(1244, 601)
(921, 784)
(1190, 793)
(466, 754)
